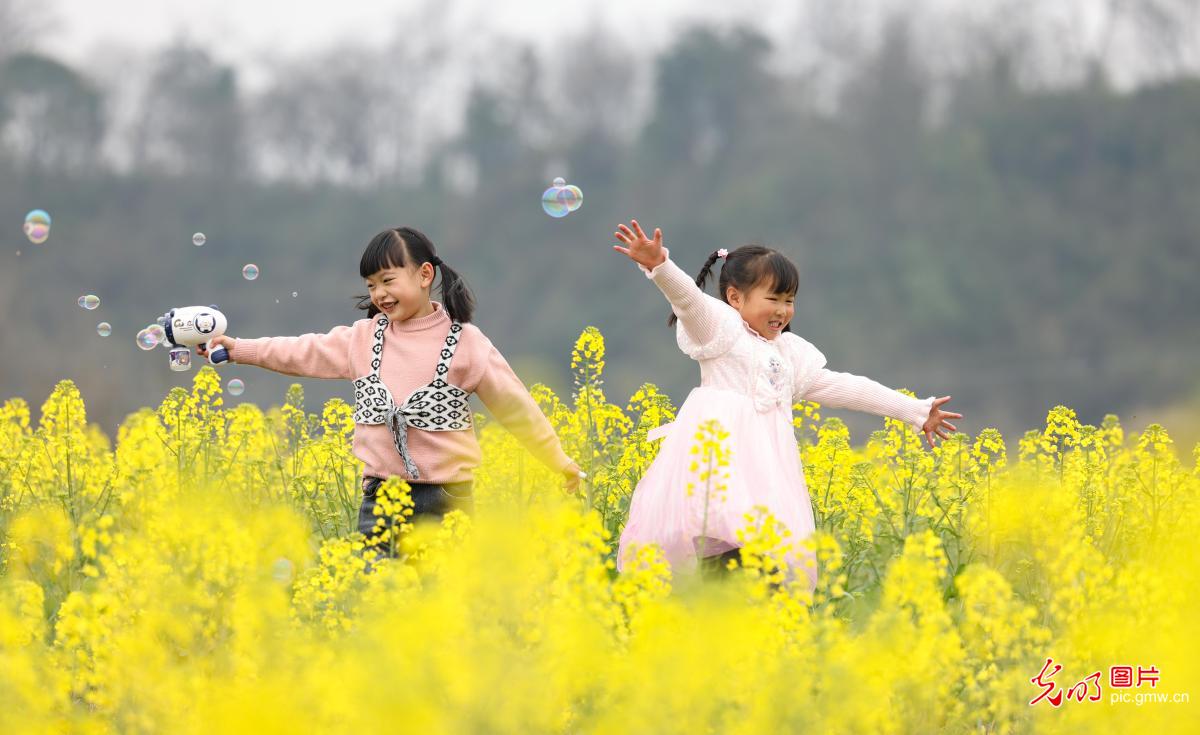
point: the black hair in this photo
(747, 267)
(396, 247)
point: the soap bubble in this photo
(89, 302)
(250, 271)
(282, 570)
(158, 333)
(103, 329)
(146, 340)
(560, 199)
(295, 294)
(573, 196)
(80, 301)
(199, 239)
(553, 204)
(236, 387)
(37, 226)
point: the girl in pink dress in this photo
(752, 370)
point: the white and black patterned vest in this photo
(435, 406)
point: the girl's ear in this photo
(733, 296)
(427, 274)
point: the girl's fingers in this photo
(952, 426)
(658, 236)
(625, 231)
(621, 237)
(619, 249)
(638, 230)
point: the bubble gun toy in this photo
(193, 326)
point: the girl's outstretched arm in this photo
(858, 393)
(307, 356)
(509, 401)
(701, 315)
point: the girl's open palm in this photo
(640, 249)
(937, 423)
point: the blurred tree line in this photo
(996, 205)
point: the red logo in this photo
(1119, 677)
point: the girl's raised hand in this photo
(640, 249)
(937, 419)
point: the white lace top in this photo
(773, 373)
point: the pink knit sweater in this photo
(410, 354)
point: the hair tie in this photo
(721, 253)
(435, 261)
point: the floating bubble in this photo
(158, 333)
(282, 570)
(146, 340)
(80, 301)
(236, 387)
(561, 199)
(552, 203)
(199, 239)
(573, 196)
(37, 226)
(295, 294)
(103, 329)
(89, 302)
(250, 271)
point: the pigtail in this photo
(701, 279)
(456, 294)
(365, 304)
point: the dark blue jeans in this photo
(431, 501)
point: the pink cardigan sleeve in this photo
(858, 393)
(307, 356)
(509, 401)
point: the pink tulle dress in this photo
(749, 384)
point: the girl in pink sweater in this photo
(752, 370)
(414, 362)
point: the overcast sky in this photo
(108, 37)
(253, 33)
(247, 30)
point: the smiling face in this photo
(764, 309)
(402, 293)
(761, 284)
